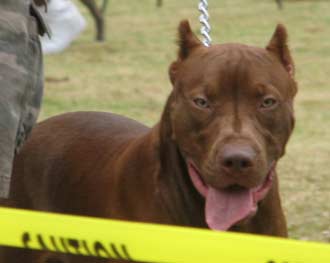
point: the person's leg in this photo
(21, 82)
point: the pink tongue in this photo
(225, 208)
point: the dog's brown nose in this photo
(237, 159)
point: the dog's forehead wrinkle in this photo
(234, 63)
(233, 72)
(265, 88)
(220, 54)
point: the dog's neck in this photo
(177, 195)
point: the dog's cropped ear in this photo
(278, 45)
(187, 42)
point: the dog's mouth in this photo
(227, 207)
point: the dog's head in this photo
(231, 115)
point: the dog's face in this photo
(231, 117)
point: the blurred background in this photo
(127, 74)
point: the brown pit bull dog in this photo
(210, 162)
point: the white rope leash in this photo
(204, 19)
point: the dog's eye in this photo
(268, 102)
(201, 103)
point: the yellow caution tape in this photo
(148, 242)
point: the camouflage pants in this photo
(21, 82)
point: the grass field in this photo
(128, 75)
